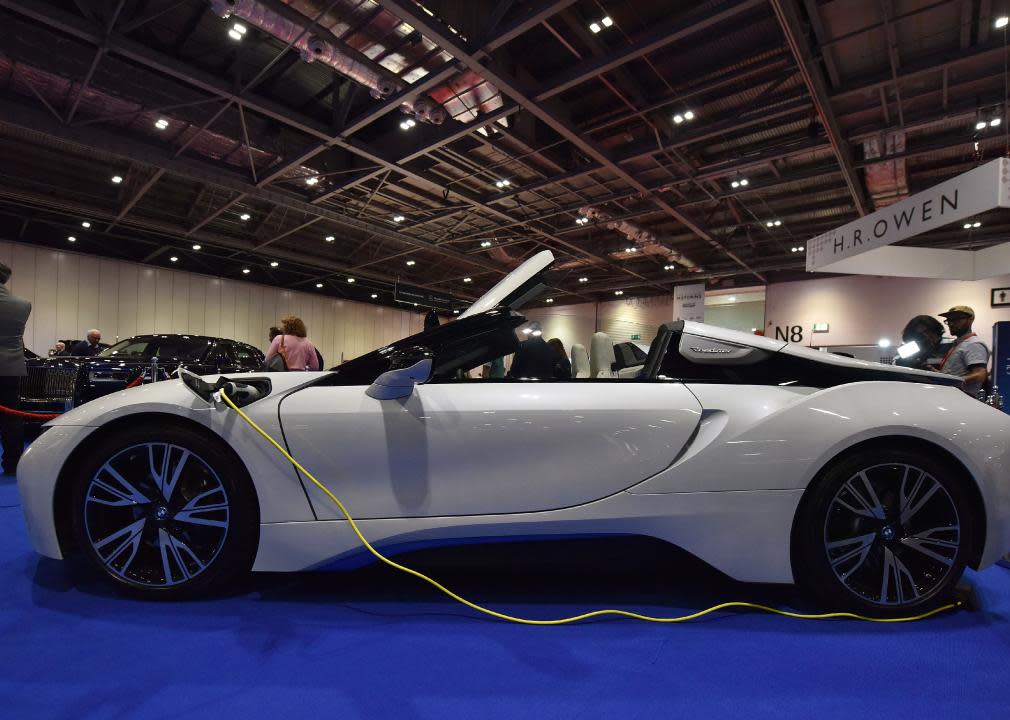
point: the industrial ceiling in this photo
(423, 150)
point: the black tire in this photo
(884, 532)
(165, 512)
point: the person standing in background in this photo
(292, 344)
(968, 357)
(89, 347)
(14, 312)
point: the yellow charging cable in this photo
(573, 618)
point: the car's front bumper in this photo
(38, 471)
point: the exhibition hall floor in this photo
(373, 644)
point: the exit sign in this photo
(636, 336)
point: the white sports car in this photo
(873, 486)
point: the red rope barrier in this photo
(42, 417)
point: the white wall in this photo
(862, 309)
(71, 293)
(619, 318)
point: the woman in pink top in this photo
(297, 350)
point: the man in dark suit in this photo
(89, 347)
(14, 314)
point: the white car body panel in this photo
(510, 283)
(493, 459)
(442, 452)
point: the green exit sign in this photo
(636, 336)
(820, 327)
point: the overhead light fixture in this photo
(669, 267)
(398, 218)
(583, 279)
(330, 238)
(71, 238)
(595, 27)
(793, 249)
(581, 220)
(174, 259)
(350, 280)
(116, 179)
(884, 343)
(319, 285)
(274, 264)
(466, 280)
(800, 248)
(455, 312)
(244, 216)
(777, 223)
(1001, 22)
(607, 22)
(678, 118)
(161, 123)
(85, 224)
(967, 226)
(994, 122)
(408, 124)
(630, 249)
(246, 271)
(485, 243)
(311, 180)
(235, 35)
(374, 296)
(618, 292)
(550, 300)
(976, 224)
(197, 247)
(689, 115)
(770, 223)
(502, 183)
(411, 262)
(980, 125)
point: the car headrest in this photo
(580, 361)
(601, 356)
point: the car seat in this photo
(601, 356)
(580, 361)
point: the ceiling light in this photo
(319, 285)
(350, 280)
(239, 28)
(770, 223)
(669, 267)
(792, 249)
(455, 312)
(744, 182)
(630, 249)
(607, 22)
(408, 124)
(235, 35)
(678, 118)
(618, 292)
(398, 218)
(85, 224)
(374, 296)
(467, 280)
(411, 262)
(549, 300)
(116, 179)
(980, 125)
(994, 122)
(415, 304)
(689, 115)
(777, 223)
(330, 238)
(246, 271)
(967, 226)
(595, 27)
(801, 248)
(883, 342)
(311, 180)
(502, 183)
(1001, 21)
(583, 279)
(174, 259)
(486, 243)
(976, 224)
(71, 238)
(581, 220)
(244, 216)
(274, 264)
(161, 123)
(197, 247)
(735, 183)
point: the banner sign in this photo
(689, 302)
(976, 191)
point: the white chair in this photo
(601, 356)
(580, 361)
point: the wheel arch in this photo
(906, 443)
(63, 498)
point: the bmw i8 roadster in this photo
(873, 486)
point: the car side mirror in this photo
(399, 383)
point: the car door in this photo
(485, 447)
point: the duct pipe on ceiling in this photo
(645, 241)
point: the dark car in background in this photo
(59, 383)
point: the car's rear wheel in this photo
(164, 512)
(885, 531)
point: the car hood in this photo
(516, 287)
(170, 396)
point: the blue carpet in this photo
(369, 644)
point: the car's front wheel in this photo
(884, 531)
(164, 512)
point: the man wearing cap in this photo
(968, 357)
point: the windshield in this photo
(166, 348)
